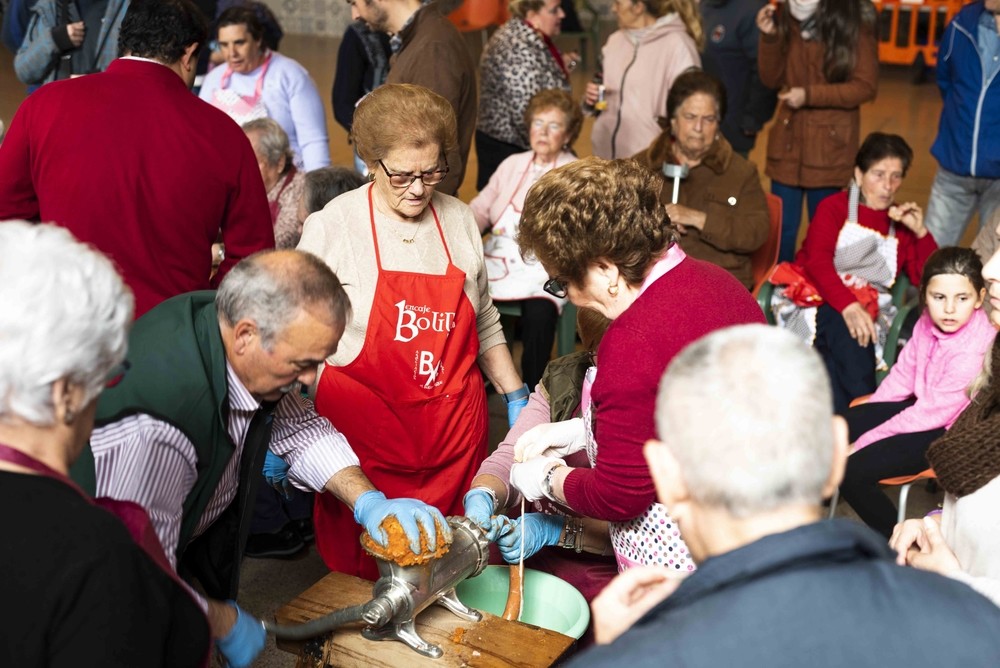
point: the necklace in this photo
(416, 228)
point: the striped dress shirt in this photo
(152, 463)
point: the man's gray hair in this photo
(272, 288)
(64, 313)
(746, 411)
(272, 141)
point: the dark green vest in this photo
(563, 381)
(178, 375)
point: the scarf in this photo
(804, 11)
(967, 457)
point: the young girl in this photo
(926, 389)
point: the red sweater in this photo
(132, 162)
(816, 254)
(691, 300)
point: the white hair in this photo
(65, 314)
(747, 413)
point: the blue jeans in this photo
(954, 198)
(791, 213)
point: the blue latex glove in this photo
(244, 641)
(541, 530)
(479, 508)
(372, 507)
(516, 401)
(276, 474)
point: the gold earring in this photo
(613, 289)
(68, 415)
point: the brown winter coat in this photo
(815, 146)
(727, 189)
(434, 55)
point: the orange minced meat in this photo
(398, 550)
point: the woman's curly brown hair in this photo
(594, 209)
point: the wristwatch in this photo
(547, 483)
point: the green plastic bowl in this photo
(549, 602)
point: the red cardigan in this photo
(132, 162)
(691, 300)
(816, 254)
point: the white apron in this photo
(862, 257)
(511, 277)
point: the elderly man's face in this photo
(991, 272)
(293, 357)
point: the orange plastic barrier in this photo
(907, 30)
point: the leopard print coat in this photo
(516, 64)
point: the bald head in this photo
(272, 288)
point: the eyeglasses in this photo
(431, 178)
(116, 374)
(552, 126)
(555, 287)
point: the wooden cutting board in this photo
(491, 643)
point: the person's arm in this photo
(760, 100)
(862, 85)
(247, 226)
(483, 202)
(43, 42)
(619, 487)
(18, 199)
(309, 444)
(949, 374)
(349, 79)
(494, 472)
(914, 252)
(309, 119)
(819, 249)
(943, 70)
(498, 366)
(287, 228)
(771, 57)
(739, 228)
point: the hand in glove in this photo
(276, 474)
(528, 476)
(244, 641)
(536, 530)
(479, 508)
(555, 439)
(516, 401)
(372, 507)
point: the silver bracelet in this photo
(493, 495)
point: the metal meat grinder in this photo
(401, 592)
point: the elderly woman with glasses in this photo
(405, 385)
(555, 120)
(600, 230)
(79, 585)
(721, 210)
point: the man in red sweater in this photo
(130, 161)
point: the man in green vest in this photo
(213, 384)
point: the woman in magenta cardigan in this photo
(602, 234)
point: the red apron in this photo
(412, 405)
